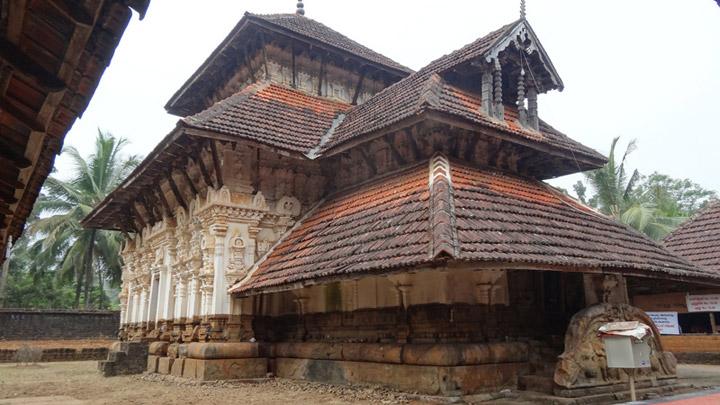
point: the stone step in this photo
(536, 383)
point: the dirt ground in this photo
(78, 383)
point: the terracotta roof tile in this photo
(321, 32)
(698, 240)
(399, 221)
(425, 90)
(271, 114)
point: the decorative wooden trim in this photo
(190, 183)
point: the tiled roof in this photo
(273, 115)
(463, 214)
(698, 240)
(427, 91)
(321, 32)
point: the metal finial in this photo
(300, 8)
(522, 9)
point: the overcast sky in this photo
(641, 69)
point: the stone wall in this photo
(28, 324)
(36, 355)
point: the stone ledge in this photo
(429, 380)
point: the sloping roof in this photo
(425, 90)
(294, 26)
(472, 215)
(698, 239)
(310, 28)
(52, 55)
(271, 114)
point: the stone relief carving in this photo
(583, 363)
(288, 206)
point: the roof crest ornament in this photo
(300, 8)
(522, 9)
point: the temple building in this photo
(322, 212)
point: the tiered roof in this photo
(447, 213)
(698, 239)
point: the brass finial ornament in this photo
(522, 9)
(300, 8)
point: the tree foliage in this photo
(56, 251)
(654, 204)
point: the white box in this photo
(626, 352)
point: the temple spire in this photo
(300, 8)
(522, 9)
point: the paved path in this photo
(694, 398)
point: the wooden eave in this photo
(52, 55)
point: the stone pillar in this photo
(219, 298)
(162, 299)
(129, 309)
(136, 306)
(194, 298)
(153, 301)
(144, 304)
(181, 299)
(167, 298)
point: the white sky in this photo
(644, 69)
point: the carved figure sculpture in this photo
(583, 362)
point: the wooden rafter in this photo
(358, 86)
(138, 216)
(7, 151)
(216, 164)
(74, 10)
(25, 65)
(365, 153)
(393, 150)
(322, 73)
(189, 181)
(200, 163)
(176, 192)
(413, 145)
(163, 200)
(148, 209)
(23, 117)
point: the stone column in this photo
(162, 299)
(129, 309)
(153, 301)
(167, 313)
(219, 298)
(180, 298)
(136, 306)
(144, 304)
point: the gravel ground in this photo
(64, 383)
(80, 380)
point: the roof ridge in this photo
(431, 92)
(367, 53)
(442, 221)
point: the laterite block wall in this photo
(29, 324)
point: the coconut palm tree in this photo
(618, 196)
(59, 241)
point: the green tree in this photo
(654, 205)
(59, 243)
